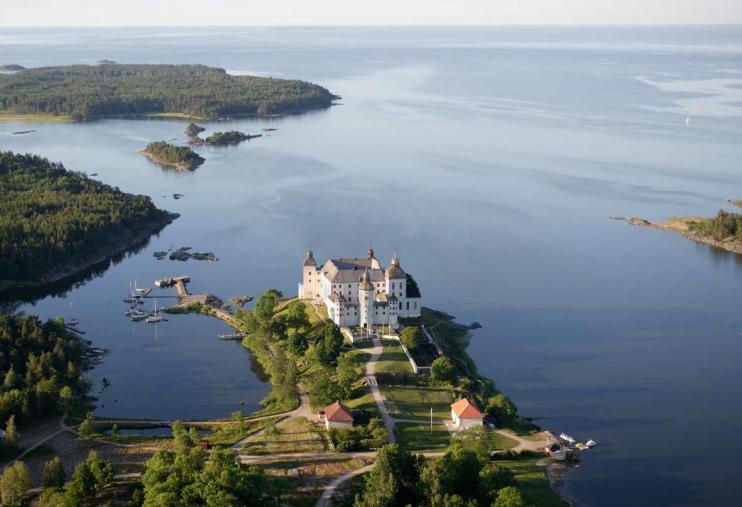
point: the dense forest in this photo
(42, 366)
(181, 157)
(723, 226)
(51, 218)
(85, 91)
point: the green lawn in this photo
(363, 400)
(227, 434)
(415, 403)
(416, 437)
(33, 117)
(393, 360)
(533, 483)
(295, 435)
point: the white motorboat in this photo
(567, 438)
(591, 443)
(136, 317)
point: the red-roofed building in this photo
(465, 414)
(338, 416)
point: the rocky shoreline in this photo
(681, 225)
(179, 166)
(116, 245)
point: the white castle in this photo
(360, 292)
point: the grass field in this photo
(415, 403)
(225, 435)
(296, 435)
(393, 360)
(302, 480)
(363, 400)
(33, 118)
(533, 483)
(416, 437)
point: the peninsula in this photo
(55, 223)
(80, 92)
(722, 231)
(180, 158)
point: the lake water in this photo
(490, 159)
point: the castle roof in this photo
(337, 412)
(394, 271)
(350, 270)
(465, 409)
(309, 259)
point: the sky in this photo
(24, 13)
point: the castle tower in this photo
(309, 288)
(373, 261)
(366, 298)
(396, 279)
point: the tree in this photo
(66, 398)
(323, 390)
(297, 343)
(86, 428)
(493, 478)
(347, 374)
(410, 337)
(458, 471)
(502, 409)
(54, 475)
(14, 484)
(394, 479)
(296, 315)
(82, 487)
(11, 432)
(509, 497)
(266, 304)
(443, 371)
(328, 345)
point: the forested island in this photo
(11, 67)
(92, 91)
(722, 231)
(181, 158)
(55, 223)
(225, 138)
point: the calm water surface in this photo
(490, 160)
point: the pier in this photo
(233, 336)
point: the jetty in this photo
(232, 336)
(179, 282)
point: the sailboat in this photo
(132, 297)
(155, 317)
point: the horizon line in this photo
(394, 25)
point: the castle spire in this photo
(309, 258)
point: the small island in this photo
(81, 92)
(55, 223)
(225, 138)
(180, 158)
(722, 231)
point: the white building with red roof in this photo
(338, 416)
(465, 414)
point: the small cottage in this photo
(338, 416)
(465, 414)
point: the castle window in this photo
(408, 305)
